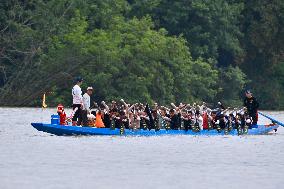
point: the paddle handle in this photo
(272, 119)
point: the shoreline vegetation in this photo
(142, 51)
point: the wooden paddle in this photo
(43, 101)
(273, 120)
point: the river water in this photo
(31, 159)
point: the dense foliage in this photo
(151, 50)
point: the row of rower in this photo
(182, 117)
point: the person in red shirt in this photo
(62, 114)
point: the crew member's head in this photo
(90, 91)
(197, 113)
(213, 114)
(79, 80)
(172, 112)
(163, 112)
(184, 113)
(248, 94)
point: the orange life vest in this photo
(99, 122)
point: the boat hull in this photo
(77, 130)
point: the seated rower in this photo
(231, 121)
(213, 118)
(174, 120)
(156, 119)
(124, 119)
(205, 118)
(248, 120)
(113, 107)
(151, 121)
(185, 120)
(222, 121)
(199, 120)
(99, 121)
(91, 120)
(144, 120)
(106, 115)
(115, 117)
(162, 123)
(134, 120)
(191, 119)
(238, 122)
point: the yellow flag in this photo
(43, 101)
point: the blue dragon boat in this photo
(56, 129)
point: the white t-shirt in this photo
(86, 102)
(77, 95)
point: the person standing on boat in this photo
(86, 105)
(77, 102)
(252, 105)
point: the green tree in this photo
(232, 81)
(264, 45)
(211, 27)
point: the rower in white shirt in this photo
(86, 105)
(77, 102)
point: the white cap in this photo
(89, 88)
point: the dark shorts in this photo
(78, 114)
(84, 118)
(254, 116)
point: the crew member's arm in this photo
(256, 104)
(167, 118)
(221, 105)
(106, 106)
(167, 109)
(245, 103)
(145, 117)
(131, 107)
(174, 106)
(124, 103)
(86, 102)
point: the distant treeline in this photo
(142, 50)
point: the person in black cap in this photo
(252, 105)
